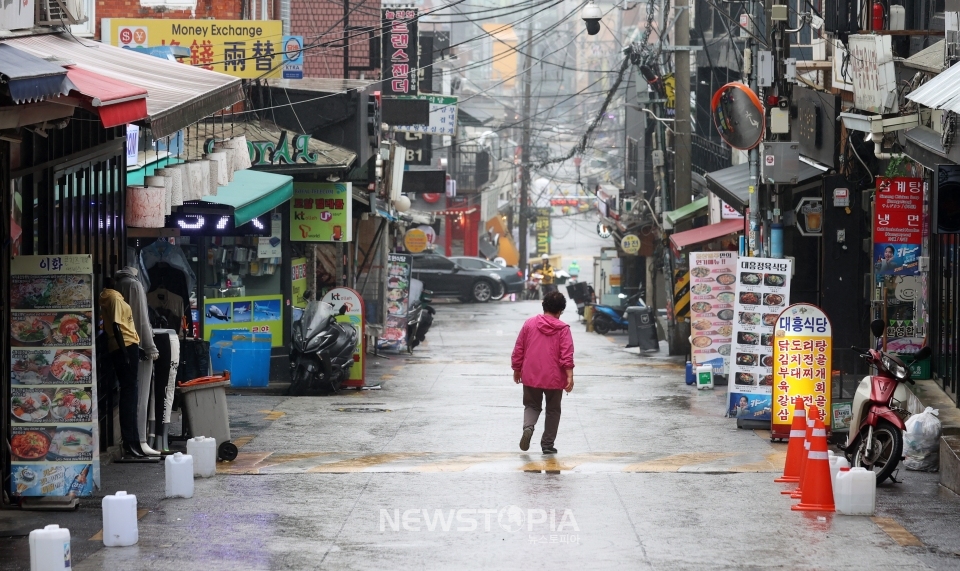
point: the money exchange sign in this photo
(251, 49)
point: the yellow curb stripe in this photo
(245, 463)
(273, 414)
(99, 535)
(363, 463)
(897, 532)
(239, 442)
(676, 462)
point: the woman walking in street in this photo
(543, 361)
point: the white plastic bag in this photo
(921, 441)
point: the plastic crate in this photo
(246, 355)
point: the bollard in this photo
(588, 317)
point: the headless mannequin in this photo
(129, 285)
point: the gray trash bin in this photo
(205, 406)
(642, 329)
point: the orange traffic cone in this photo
(795, 452)
(817, 488)
(812, 413)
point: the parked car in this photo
(511, 276)
(445, 278)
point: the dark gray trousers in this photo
(532, 405)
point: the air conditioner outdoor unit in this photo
(59, 12)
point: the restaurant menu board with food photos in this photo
(53, 436)
(712, 279)
(803, 345)
(398, 300)
(762, 292)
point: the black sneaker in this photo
(550, 450)
(525, 439)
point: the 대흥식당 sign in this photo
(802, 349)
(251, 49)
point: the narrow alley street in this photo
(426, 473)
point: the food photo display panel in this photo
(762, 292)
(712, 295)
(54, 440)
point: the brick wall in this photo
(321, 22)
(218, 9)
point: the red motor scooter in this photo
(875, 441)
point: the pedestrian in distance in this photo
(543, 361)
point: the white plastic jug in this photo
(705, 377)
(178, 470)
(836, 463)
(120, 520)
(50, 549)
(856, 491)
(204, 452)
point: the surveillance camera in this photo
(591, 15)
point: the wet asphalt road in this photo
(426, 473)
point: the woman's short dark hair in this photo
(554, 302)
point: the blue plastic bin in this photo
(246, 355)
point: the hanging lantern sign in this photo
(738, 115)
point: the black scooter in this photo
(322, 350)
(420, 315)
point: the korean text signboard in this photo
(898, 226)
(897, 243)
(762, 293)
(321, 212)
(712, 276)
(54, 442)
(298, 281)
(353, 309)
(399, 56)
(803, 344)
(399, 267)
(250, 49)
(443, 116)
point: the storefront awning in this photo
(272, 148)
(941, 92)
(681, 240)
(253, 193)
(732, 184)
(688, 211)
(177, 95)
(925, 146)
(116, 102)
(30, 78)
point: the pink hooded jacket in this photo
(543, 353)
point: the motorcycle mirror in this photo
(622, 296)
(923, 354)
(877, 327)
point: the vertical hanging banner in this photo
(898, 226)
(762, 293)
(897, 244)
(713, 275)
(351, 302)
(399, 51)
(397, 298)
(803, 345)
(54, 442)
(542, 229)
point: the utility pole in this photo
(754, 245)
(525, 148)
(681, 140)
